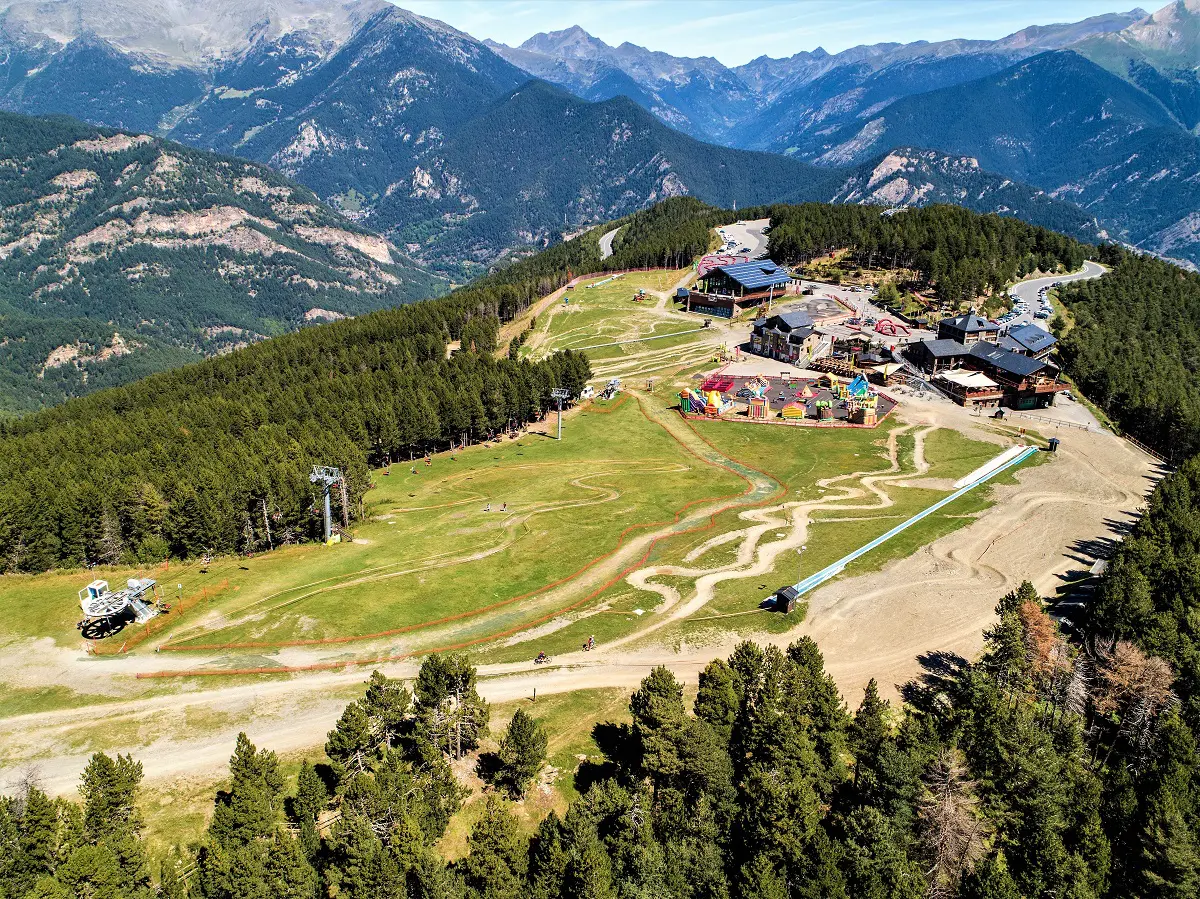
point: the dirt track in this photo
(939, 599)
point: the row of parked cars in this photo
(1021, 307)
(730, 245)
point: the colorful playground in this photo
(825, 400)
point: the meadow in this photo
(604, 320)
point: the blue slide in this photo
(830, 571)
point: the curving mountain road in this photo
(1028, 290)
(606, 242)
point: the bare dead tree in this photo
(1134, 686)
(953, 833)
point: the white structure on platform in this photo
(98, 601)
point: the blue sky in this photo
(736, 31)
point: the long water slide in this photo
(993, 468)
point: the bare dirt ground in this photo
(1058, 517)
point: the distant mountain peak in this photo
(189, 33)
(573, 41)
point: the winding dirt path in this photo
(756, 557)
(876, 625)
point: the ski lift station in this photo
(138, 598)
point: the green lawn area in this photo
(607, 314)
(432, 551)
(799, 458)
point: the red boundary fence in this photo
(780, 491)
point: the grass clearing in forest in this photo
(607, 319)
(568, 719)
(433, 549)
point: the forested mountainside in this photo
(245, 428)
(1137, 167)
(961, 255)
(1116, 135)
(1136, 335)
(123, 254)
(507, 176)
(911, 177)
(759, 104)
(419, 131)
(177, 461)
(1160, 55)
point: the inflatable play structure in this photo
(889, 328)
(693, 402)
(716, 404)
(863, 410)
(758, 385)
(794, 411)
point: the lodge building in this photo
(975, 365)
(726, 290)
(788, 337)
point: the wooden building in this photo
(970, 388)
(933, 356)
(788, 337)
(727, 289)
(1029, 340)
(1028, 383)
(968, 329)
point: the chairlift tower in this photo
(327, 476)
(560, 394)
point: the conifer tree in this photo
(588, 873)
(38, 839)
(659, 724)
(548, 858)
(350, 744)
(287, 873)
(450, 713)
(311, 794)
(385, 703)
(522, 751)
(496, 865)
(759, 879)
(872, 723)
(717, 698)
(250, 810)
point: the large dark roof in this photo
(944, 347)
(1006, 360)
(785, 322)
(970, 323)
(757, 274)
(1033, 338)
(798, 318)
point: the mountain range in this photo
(1103, 113)
(462, 153)
(122, 254)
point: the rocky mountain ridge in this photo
(415, 129)
(121, 254)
